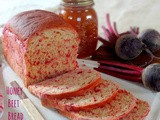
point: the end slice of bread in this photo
(120, 106)
(97, 96)
(139, 112)
(69, 84)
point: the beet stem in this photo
(105, 42)
(133, 31)
(106, 32)
(116, 71)
(130, 78)
(137, 30)
(115, 29)
(109, 23)
(124, 33)
(121, 71)
(117, 64)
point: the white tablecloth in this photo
(142, 13)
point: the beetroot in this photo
(129, 47)
(151, 76)
(151, 38)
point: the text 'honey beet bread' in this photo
(1, 104)
(92, 98)
(38, 45)
(117, 108)
(72, 83)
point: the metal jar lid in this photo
(77, 3)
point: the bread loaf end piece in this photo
(39, 45)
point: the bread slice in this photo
(39, 45)
(97, 96)
(69, 84)
(139, 112)
(120, 106)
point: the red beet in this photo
(151, 76)
(129, 47)
(151, 38)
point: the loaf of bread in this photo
(73, 83)
(39, 45)
(139, 112)
(92, 98)
(117, 108)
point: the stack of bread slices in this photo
(82, 94)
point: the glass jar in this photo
(82, 16)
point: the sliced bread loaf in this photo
(39, 45)
(117, 108)
(139, 112)
(97, 96)
(69, 84)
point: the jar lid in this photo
(77, 3)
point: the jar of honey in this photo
(82, 16)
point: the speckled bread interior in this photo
(71, 83)
(92, 98)
(39, 45)
(139, 112)
(117, 108)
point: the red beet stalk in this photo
(118, 75)
(120, 70)
(118, 64)
(116, 69)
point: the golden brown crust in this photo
(27, 23)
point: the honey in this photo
(82, 16)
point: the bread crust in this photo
(28, 23)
